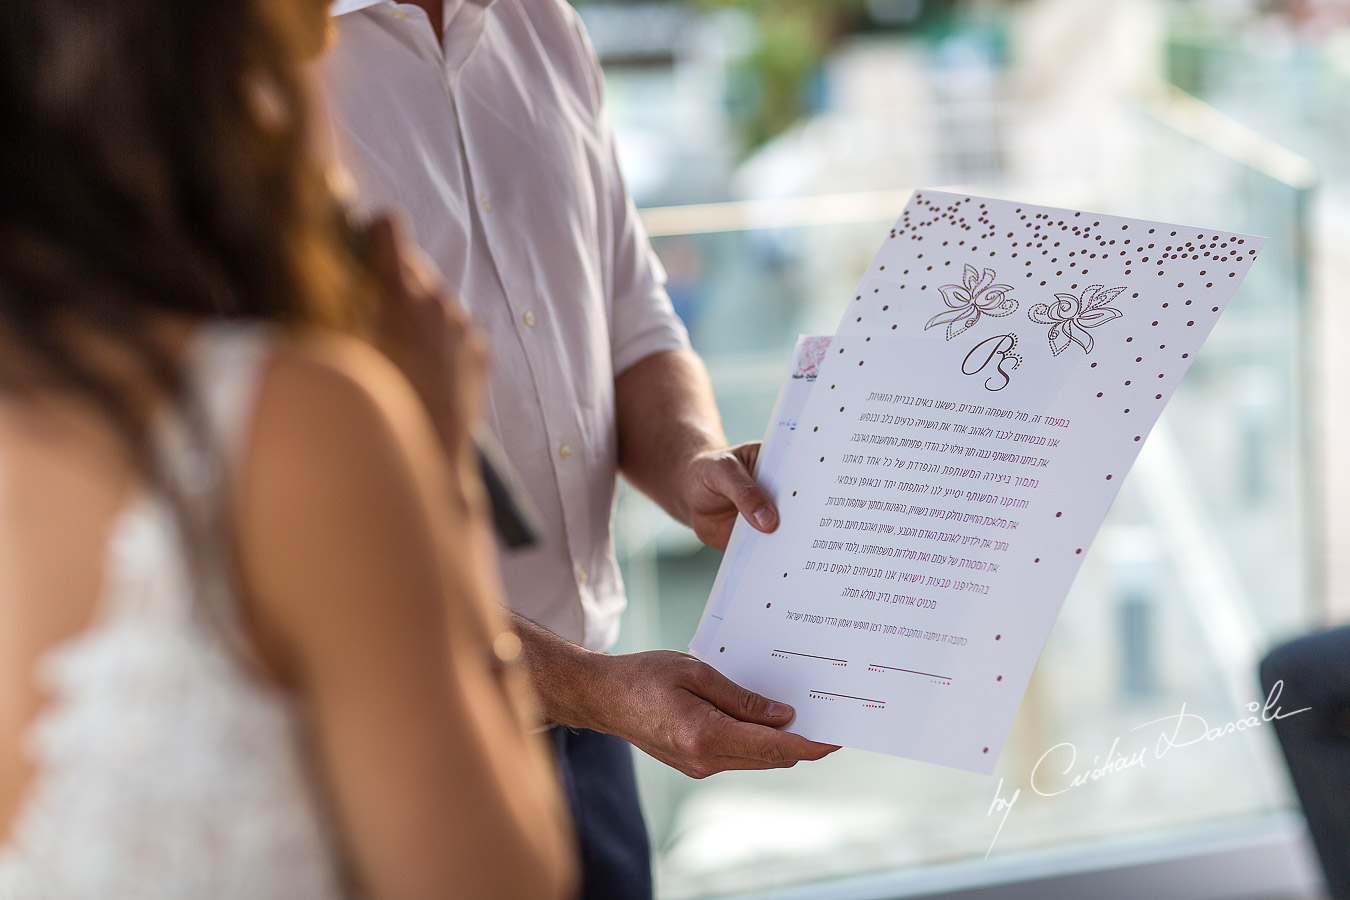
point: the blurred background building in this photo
(770, 144)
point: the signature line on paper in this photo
(826, 695)
(809, 656)
(911, 671)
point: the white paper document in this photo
(807, 357)
(943, 462)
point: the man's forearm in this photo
(667, 415)
(667, 704)
(564, 676)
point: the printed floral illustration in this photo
(810, 355)
(976, 296)
(1071, 317)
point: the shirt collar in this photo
(342, 7)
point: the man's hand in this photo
(673, 449)
(718, 485)
(689, 716)
(669, 705)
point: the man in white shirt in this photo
(493, 143)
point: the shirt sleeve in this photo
(642, 320)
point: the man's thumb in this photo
(742, 704)
(741, 489)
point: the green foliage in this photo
(770, 85)
(770, 88)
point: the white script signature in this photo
(1056, 771)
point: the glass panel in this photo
(1201, 561)
(1205, 557)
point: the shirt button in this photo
(565, 451)
(400, 14)
(529, 318)
(487, 203)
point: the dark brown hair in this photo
(156, 162)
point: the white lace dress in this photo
(165, 768)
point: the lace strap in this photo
(200, 457)
(224, 367)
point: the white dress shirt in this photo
(494, 145)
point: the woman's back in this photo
(288, 641)
(147, 744)
(158, 763)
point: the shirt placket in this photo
(531, 322)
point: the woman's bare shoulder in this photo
(335, 488)
(336, 419)
(325, 375)
(339, 439)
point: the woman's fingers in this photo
(424, 329)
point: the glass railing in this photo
(1202, 562)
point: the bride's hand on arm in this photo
(380, 600)
(424, 330)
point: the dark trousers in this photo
(1316, 674)
(596, 771)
